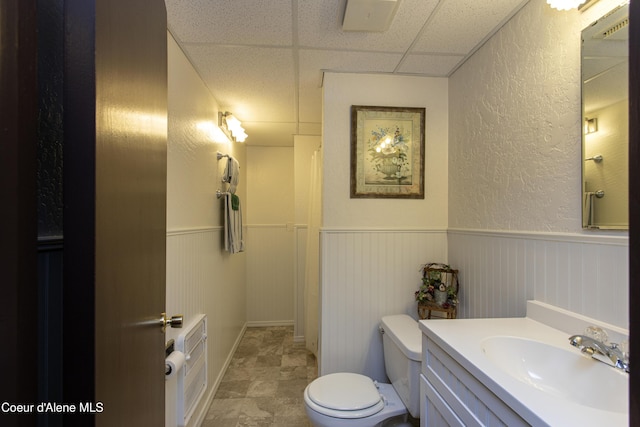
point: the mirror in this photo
(605, 118)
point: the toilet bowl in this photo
(353, 400)
(346, 399)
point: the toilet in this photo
(352, 400)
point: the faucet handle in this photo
(597, 334)
(624, 348)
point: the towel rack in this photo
(220, 193)
(230, 175)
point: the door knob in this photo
(174, 321)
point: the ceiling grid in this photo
(263, 60)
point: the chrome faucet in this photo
(610, 354)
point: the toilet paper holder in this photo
(169, 348)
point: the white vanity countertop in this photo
(462, 339)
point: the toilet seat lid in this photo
(352, 393)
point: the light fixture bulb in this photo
(231, 126)
(565, 4)
(240, 136)
(232, 122)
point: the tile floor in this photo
(264, 383)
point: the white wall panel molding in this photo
(383, 230)
(194, 230)
(202, 278)
(611, 238)
(500, 271)
(367, 274)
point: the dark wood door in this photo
(115, 210)
(130, 233)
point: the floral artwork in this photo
(389, 155)
(387, 152)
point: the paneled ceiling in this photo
(264, 60)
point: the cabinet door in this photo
(434, 411)
(472, 403)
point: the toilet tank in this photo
(402, 343)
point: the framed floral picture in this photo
(387, 152)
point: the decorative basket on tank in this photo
(438, 292)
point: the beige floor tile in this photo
(264, 383)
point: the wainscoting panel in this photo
(500, 271)
(270, 274)
(367, 274)
(203, 278)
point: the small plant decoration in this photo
(437, 279)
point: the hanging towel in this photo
(235, 202)
(587, 209)
(232, 174)
(233, 238)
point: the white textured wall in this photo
(270, 236)
(515, 165)
(194, 172)
(277, 187)
(372, 249)
(514, 141)
(341, 91)
(201, 277)
(270, 186)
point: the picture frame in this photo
(387, 152)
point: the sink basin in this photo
(565, 374)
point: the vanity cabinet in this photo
(516, 372)
(452, 396)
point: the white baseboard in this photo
(265, 323)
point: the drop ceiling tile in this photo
(320, 25)
(459, 25)
(231, 21)
(270, 134)
(430, 65)
(254, 83)
(249, 51)
(313, 62)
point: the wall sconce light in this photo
(590, 125)
(231, 126)
(213, 132)
(565, 4)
